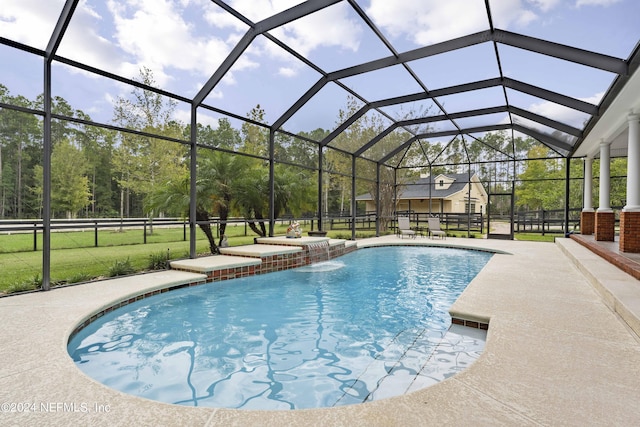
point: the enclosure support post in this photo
(320, 187)
(52, 47)
(378, 199)
(46, 180)
(353, 197)
(272, 203)
(567, 187)
(395, 195)
(513, 207)
(192, 182)
(430, 186)
(469, 203)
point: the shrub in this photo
(27, 285)
(121, 268)
(79, 277)
(341, 235)
(159, 261)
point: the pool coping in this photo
(259, 250)
(580, 375)
(210, 263)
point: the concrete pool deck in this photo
(559, 351)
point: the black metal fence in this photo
(365, 221)
(144, 225)
(36, 227)
(550, 221)
(540, 221)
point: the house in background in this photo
(449, 194)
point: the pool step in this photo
(268, 255)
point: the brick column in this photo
(587, 222)
(605, 226)
(630, 231)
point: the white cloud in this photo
(512, 13)
(431, 21)
(595, 99)
(83, 44)
(109, 98)
(257, 10)
(184, 115)
(330, 27)
(545, 5)
(150, 33)
(287, 72)
(32, 22)
(29, 21)
(223, 20)
(605, 3)
(561, 113)
(139, 33)
(156, 35)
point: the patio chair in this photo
(404, 228)
(434, 228)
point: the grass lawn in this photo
(83, 263)
(537, 237)
(75, 259)
(106, 237)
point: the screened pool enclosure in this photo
(212, 112)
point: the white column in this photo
(605, 177)
(633, 165)
(587, 204)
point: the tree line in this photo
(101, 172)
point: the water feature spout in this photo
(318, 251)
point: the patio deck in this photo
(556, 353)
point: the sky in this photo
(183, 42)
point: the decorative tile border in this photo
(232, 273)
(435, 245)
(128, 301)
(281, 262)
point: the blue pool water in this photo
(322, 335)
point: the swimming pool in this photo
(350, 330)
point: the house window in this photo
(441, 183)
(466, 207)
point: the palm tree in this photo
(294, 192)
(252, 197)
(173, 197)
(217, 172)
(227, 181)
(215, 175)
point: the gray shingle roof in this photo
(419, 189)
